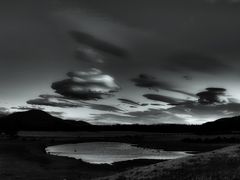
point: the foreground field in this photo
(222, 164)
(166, 141)
(27, 160)
(24, 158)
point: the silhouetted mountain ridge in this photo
(223, 124)
(38, 120)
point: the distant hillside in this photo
(224, 124)
(38, 120)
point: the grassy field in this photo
(25, 158)
(222, 164)
(166, 141)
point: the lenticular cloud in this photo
(86, 85)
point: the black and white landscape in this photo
(109, 89)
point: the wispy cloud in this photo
(151, 82)
(101, 45)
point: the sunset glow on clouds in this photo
(162, 62)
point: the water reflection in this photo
(110, 152)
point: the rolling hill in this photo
(224, 124)
(38, 120)
(218, 164)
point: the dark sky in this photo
(134, 61)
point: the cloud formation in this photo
(151, 82)
(48, 102)
(128, 101)
(166, 99)
(62, 102)
(103, 107)
(150, 116)
(26, 108)
(100, 45)
(212, 95)
(52, 102)
(89, 55)
(213, 103)
(90, 85)
(148, 81)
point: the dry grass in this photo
(222, 164)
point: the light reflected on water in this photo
(110, 152)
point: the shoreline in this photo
(222, 163)
(25, 158)
(28, 160)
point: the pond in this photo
(111, 152)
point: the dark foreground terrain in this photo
(25, 158)
(25, 135)
(221, 164)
